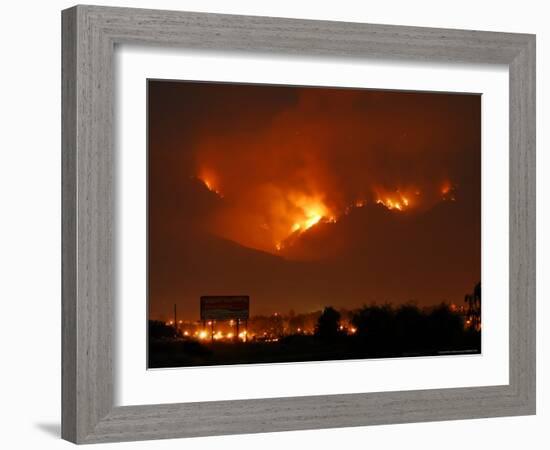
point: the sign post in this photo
(225, 307)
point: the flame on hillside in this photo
(398, 200)
(210, 180)
(286, 213)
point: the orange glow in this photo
(446, 188)
(280, 213)
(302, 212)
(203, 335)
(310, 211)
(448, 191)
(211, 181)
(243, 335)
(397, 199)
(397, 204)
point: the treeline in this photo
(159, 330)
(407, 329)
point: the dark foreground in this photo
(370, 332)
(187, 352)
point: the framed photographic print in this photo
(293, 221)
(310, 201)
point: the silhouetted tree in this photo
(445, 327)
(159, 330)
(375, 329)
(410, 328)
(328, 324)
(373, 320)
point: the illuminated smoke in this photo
(313, 163)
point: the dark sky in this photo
(308, 197)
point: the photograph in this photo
(293, 223)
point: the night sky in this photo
(309, 197)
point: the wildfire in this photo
(305, 212)
(307, 223)
(399, 205)
(396, 200)
(211, 182)
(281, 214)
(311, 209)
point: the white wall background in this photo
(30, 236)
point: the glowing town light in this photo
(243, 335)
(203, 335)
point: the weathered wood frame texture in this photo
(89, 36)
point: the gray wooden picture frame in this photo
(89, 37)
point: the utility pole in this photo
(175, 322)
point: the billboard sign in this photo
(225, 307)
